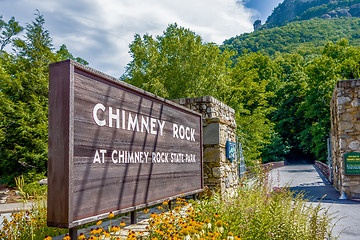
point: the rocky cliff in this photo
(296, 10)
(290, 9)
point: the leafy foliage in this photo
(178, 64)
(303, 93)
(279, 81)
(338, 62)
(256, 211)
(25, 86)
(308, 58)
(249, 95)
(9, 30)
(24, 96)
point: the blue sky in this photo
(264, 8)
(100, 31)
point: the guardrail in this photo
(324, 169)
(250, 171)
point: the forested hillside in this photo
(303, 37)
(308, 58)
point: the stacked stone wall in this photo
(345, 134)
(219, 126)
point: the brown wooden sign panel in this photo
(114, 147)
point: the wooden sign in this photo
(352, 163)
(114, 147)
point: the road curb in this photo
(13, 207)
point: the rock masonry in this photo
(219, 126)
(345, 134)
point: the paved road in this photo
(306, 178)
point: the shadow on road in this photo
(307, 180)
(319, 191)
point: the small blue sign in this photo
(230, 150)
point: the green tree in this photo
(64, 54)
(8, 31)
(177, 64)
(24, 97)
(25, 143)
(249, 94)
(290, 93)
(338, 61)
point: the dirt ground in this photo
(8, 195)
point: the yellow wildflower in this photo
(115, 229)
(146, 210)
(184, 231)
(67, 237)
(111, 215)
(98, 223)
(81, 237)
(122, 224)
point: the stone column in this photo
(345, 134)
(219, 126)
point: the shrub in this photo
(29, 186)
(257, 211)
(31, 224)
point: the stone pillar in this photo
(219, 126)
(345, 134)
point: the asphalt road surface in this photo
(306, 178)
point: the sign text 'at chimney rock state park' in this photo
(114, 147)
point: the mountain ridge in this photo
(297, 10)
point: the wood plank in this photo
(97, 180)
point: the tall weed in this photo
(257, 211)
(30, 224)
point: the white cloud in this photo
(101, 30)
